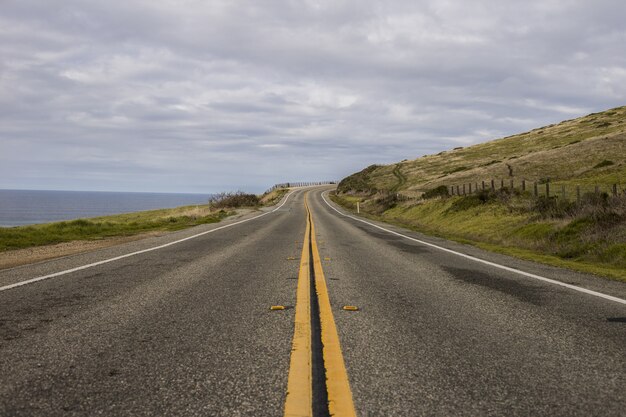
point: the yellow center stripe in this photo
(299, 401)
(337, 384)
(299, 385)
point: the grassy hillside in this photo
(587, 234)
(587, 150)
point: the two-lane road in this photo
(186, 329)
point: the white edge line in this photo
(495, 265)
(128, 255)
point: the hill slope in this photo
(576, 227)
(568, 151)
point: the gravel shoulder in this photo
(19, 257)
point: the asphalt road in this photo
(187, 330)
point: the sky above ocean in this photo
(205, 96)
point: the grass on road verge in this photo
(129, 224)
(591, 240)
(108, 226)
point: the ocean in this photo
(22, 207)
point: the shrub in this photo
(358, 182)
(594, 199)
(457, 169)
(604, 163)
(441, 191)
(467, 202)
(234, 200)
(387, 202)
(495, 161)
(552, 207)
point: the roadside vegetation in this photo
(273, 197)
(587, 234)
(129, 224)
(108, 226)
(234, 200)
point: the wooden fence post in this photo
(512, 185)
(470, 187)
(523, 185)
(457, 190)
(463, 189)
(483, 185)
(493, 185)
(501, 184)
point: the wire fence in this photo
(566, 191)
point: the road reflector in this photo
(327, 259)
(277, 307)
(291, 258)
(350, 308)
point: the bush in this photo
(457, 169)
(358, 182)
(595, 199)
(234, 200)
(495, 161)
(386, 203)
(604, 163)
(441, 191)
(480, 198)
(553, 207)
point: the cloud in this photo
(196, 96)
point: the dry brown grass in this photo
(568, 151)
(273, 196)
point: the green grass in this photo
(128, 224)
(512, 227)
(108, 226)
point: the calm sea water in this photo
(20, 207)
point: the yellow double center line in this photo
(299, 401)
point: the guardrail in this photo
(299, 184)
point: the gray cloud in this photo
(197, 96)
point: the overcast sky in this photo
(210, 95)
